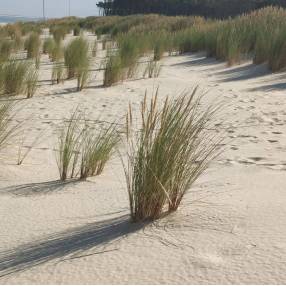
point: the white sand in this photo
(231, 227)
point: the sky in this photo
(54, 8)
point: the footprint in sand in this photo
(247, 136)
(256, 159)
(262, 162)
(279, 167)
(246, 162)
(44, 148)
(272, 141)
(234, 148)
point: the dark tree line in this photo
(207, 8)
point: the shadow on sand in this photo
(42, 188)
(65, 91)
(69, 244)
(236, 73)
(243, 72)
(198, 61)
(270, 87)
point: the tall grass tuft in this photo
(69, 147)
(167, 154)
(152, 70)
(83, 76)
(76, 31)
(31, 81)
(159, 46)
(76, 56)
(7, 130)
(58, 73)
(94, 49)
(59, 32)
(13, 75)
(82, 151)
(129, 54)
(57, 53)
(32, 45)
(48, 46)
(97, 148)
(113, 71)
(6, 48)
(104, 43)
(277, 59)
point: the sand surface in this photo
(231, 227)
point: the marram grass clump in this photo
(129, 54)
(33, 45)
(6, 49)
(84, 147)
(76, 56)
(31, 81)
(18, 77)
(69, 140)
(114, 71)
(152, 69)
(48, 45)
(166, 154)
(13, 77)
(97, 148)
(7, 129)
(58, 73)
(83, 76)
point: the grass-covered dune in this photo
(260, 34)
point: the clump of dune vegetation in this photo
(159, 47)
(97, 148)
(33, 45)
(13, 77)
(76, 57)
(48, 45)
(84, 150)
(166, 154)
(83, 76)
(76, 31)
(31, 81)
(113, 72)
(259, 35)
(58, 73)
(94, 49)
(277, 59)
(6, 49)
(59, 32)
(18, 77)
(104, 43)
(57, 52)
(152, 70)
(7, 129)
(14, 31)
(69, 147)
(129, 54)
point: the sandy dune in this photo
(231, 228)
